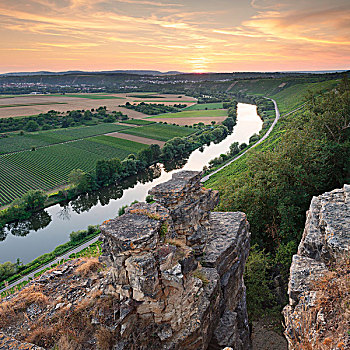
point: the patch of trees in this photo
(24, 207)
(154, 108)
(312, 156)
(110, 171)
(54, 120)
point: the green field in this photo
(195, 114)
(204, 106)
(92, 97)
(32, 104)
(160, 132)
(142, 94)
(49, 167)
(137, 122)
(50, 137)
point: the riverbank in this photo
(76, 240)
(51, 227)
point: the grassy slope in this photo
(288, 98)
(294, 96)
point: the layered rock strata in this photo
(170, 276)
(322, 263)
(177, 270)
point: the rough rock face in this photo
(324, 245)
(177, 270)
(172, 278)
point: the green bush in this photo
(256, 279)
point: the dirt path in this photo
(264, 338)
(134, 138)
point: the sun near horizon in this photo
(187, 36)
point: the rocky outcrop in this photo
(318, 288)
(172, 278)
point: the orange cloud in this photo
(181, 35)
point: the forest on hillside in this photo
(307, 155)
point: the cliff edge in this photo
(170, 276)
(318, 314)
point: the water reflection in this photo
(52, 227)
(37, 221)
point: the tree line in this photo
(54, 120)
(154, 108)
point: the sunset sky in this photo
(184, 35)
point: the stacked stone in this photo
(326, 239)
(166, 299)
(189, 205)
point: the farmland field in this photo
(45, 138)
(92, 96)
(35, 104)
(49, 167)
(204, 106)
(189, 117)
(137, 122)
(159, 131)
(195, 114)
(32, 104)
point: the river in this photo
(51, 227)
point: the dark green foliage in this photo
(54, 120)
(23, 208)
(253, 138)
(78, 235)
(106, 171)
(34, 200)
(7, 269)
(154, 108)
(259, 296)
(31, 126)
(149, 199)
(242, 146)
(308, 154)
